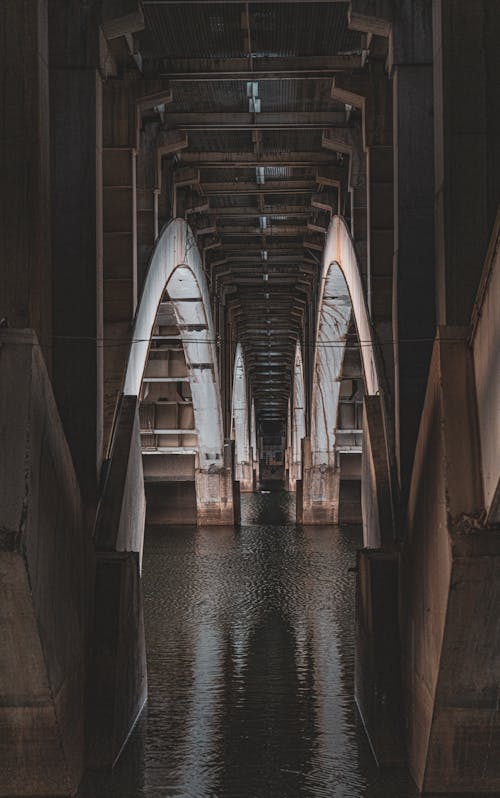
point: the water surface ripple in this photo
(250, 636)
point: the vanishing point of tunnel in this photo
(249, 398)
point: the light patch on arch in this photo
(240, 410)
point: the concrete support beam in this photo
(349, 142)
(244, 475)
(450, 600)
(45, 579)
(147, 199)
(119, 269)
(121, 17)
(76, 166)
(321, 495)
(371, 16)
(214, 498)
(371, 92)
(25, 275)
(414, 256)
(467, 119)
(486, 353)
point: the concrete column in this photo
(467, 142)
(350, 142)
(25, 275)
(147, 199)
(318, 493)
(371, 92)
(380, 220)
(119, 269)
(321, 495)
(450, 598)
(244, 475)
(413, 284)
(75, 106)
(214, 498)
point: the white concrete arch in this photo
(253, 440)
(176, 267)
(298, 417)
(339, 249)
(241, 424)
(341, 298)
(334, 317)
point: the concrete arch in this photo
(339, 249)
(254, 443)
(176, 268)
(241, 424)
(297, 418)
(341, 298)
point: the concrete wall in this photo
(449, 590)
(45, 565)
(486, 352)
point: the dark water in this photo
(250, 646)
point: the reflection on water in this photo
(250, 651)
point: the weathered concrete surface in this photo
(45, 565)
(486, 354)
(214, 498)
(450, 591)
(320, 495)
(241, 424)
(244, 475)
(118, 681)
(378, 687)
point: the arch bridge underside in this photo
(344, 370)
(173, 371)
